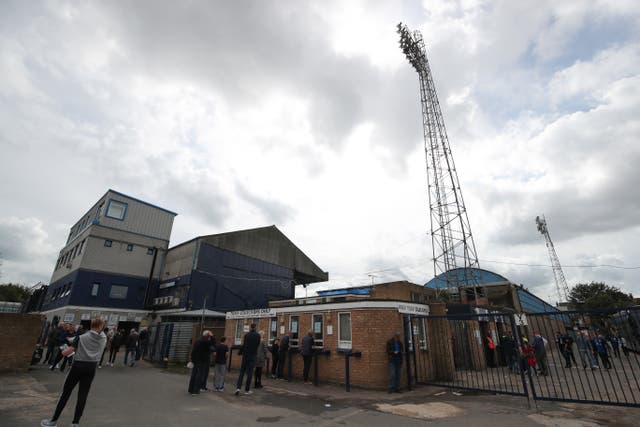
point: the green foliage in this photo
(14, 293)
(595, 295)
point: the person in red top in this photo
(491, 350)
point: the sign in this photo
(329, 330)
(122, 318)
(281, 329)
(317, 327)
(113, 319)
(251, 314)
(68, 317)
(521, 319)
(167, 285)
(138, 319)
(85, 316)
(417, 309)
(95, 314)
(245, 328)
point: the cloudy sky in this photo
(307, 116)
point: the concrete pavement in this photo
(148, 396)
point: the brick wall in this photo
(370, 329)
(18, 337)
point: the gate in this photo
(453, 351)
(591, 356)
(570, 356)
(171, 340)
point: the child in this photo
(220, 367)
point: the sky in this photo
(306, 115)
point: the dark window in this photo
(149, 251)
(108, 243)
(94, 289)
(129, 248)
(118, 292)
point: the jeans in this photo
(197, 377)
(395, 373)
(281, 362)
(131, 351)
(247, 366)
(307, 366)
(83, 373)
(219, 371)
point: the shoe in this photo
(237, 392)
(248, 392)
(221, 389)
(99, 366)
(48, 423)
(75, 425)
(308, 382)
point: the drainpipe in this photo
(153, 266)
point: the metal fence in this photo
(571, 356)
(171, 340)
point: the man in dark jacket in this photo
(249, 355)
(52, 337)
(131, 345)
(394, 352)
(307, 352)
(282, 355)
(200, 357)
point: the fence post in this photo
(347, 355)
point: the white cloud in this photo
(309, 117)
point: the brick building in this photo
(341, 321)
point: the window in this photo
(149, 251)
(108, 243)
(81, 246)
(318, 339)
(94, 289)
(118, 292)
(129, 248)
(273, 329)
(75, 251)
(293, 327)
(238, 337)
(422, 334)
(116, 210)
(344, 331)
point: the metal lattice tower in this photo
(558, 274)
(451, 239)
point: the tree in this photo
(14, 293)
(596, 295)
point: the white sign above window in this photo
(251, 314)
(416, 309)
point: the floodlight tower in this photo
(561, 283)
(451, 239)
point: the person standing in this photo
(307, 353)
(106, 332)
(562, 346)
(261, 359)
(144, 342)
(540, 352)
(88, 348)
(51, 344)
(491, 350)
(249, 354)
(114, 348)
(615, 345)
(220, 367)
(200, 357)
(584, 350)
(131, 347)
(601, 347)
(275, 356)
(394, 352)
(61, 343)
(282, 355)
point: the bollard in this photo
(315, 363)
(347, 355)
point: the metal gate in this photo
(570, 356)
(171, 340)
(453, 351)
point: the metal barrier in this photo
(584, 356)
(348, 355)
(570, 356)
